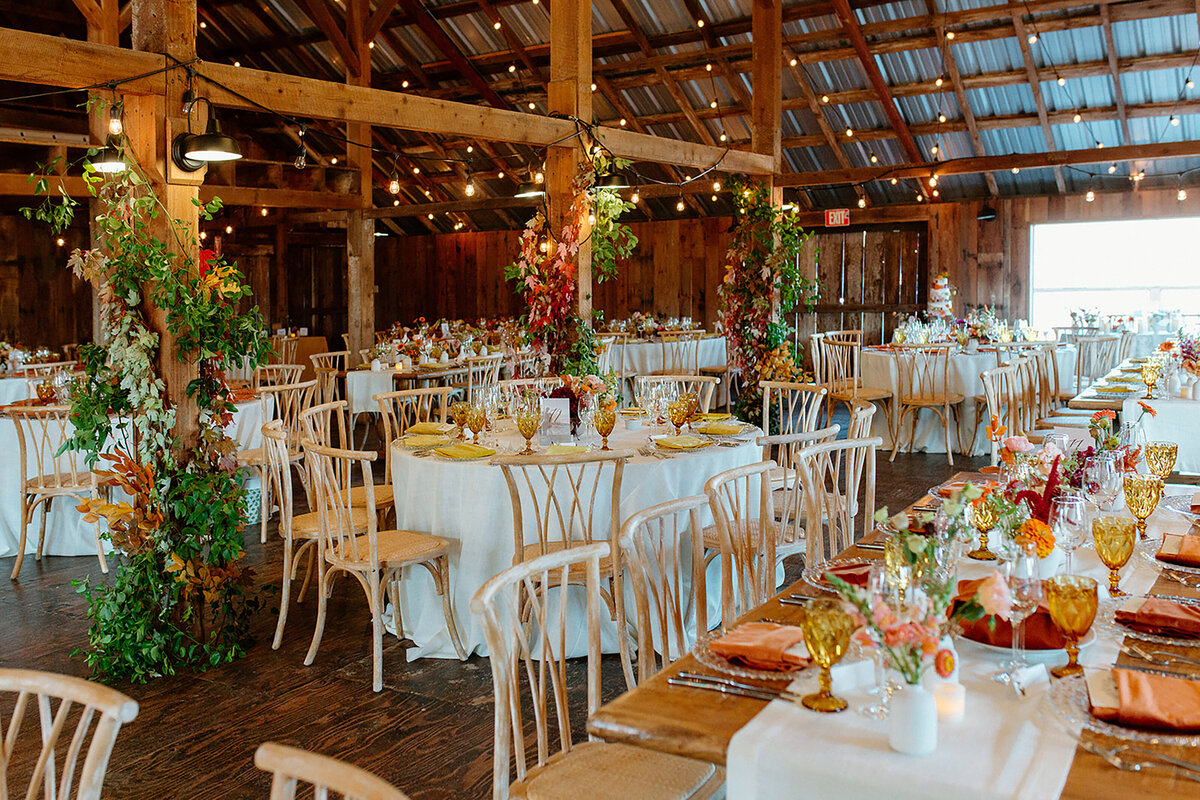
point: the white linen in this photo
(646, 357)
(878, 371)
(361, 387)
(468, 504)
(66, 533)
(13, 389)
(1003, 748)
(1177, 421)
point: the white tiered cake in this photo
(941, 297)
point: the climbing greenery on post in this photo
(178, 598)
(763, 282)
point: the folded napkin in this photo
(1040, 631)
(683, 442)
(565, 449)
(1196, 503)
(722, 428)
(465, 450)
(763, 645)
(714, 416)
(1161, 617)
(418, 440)
(947, 489)
(632, 410)
(430, 365)
(1143, 700)
(241, 394)
(853, 574)
(430, 427)
(1180, 549)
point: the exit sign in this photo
(837, 216)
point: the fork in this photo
(1186, 580)
(1112, 756)
(1160, 657)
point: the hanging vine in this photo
(763, 282)
(178, 596)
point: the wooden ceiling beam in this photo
(1110, 48)
(423, 209)
(377, 19)
(828, 135)
(1035, 86)
(442, 42)
(321, 15)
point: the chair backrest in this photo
(346, 341)
(290, 765)
(999, 400)
(555, 498)
(513, 390)
(816, 347)
(284, 403)
(789, 509)
(527, 630)
(841, 361)
(41, 431)
(285, 347)
(832, 474)
(327, 366)
(1125, 348)
(922, 372)
(702, 386)
(483, 372)
(243, 373)
(49, 369)
(51, 761)
(330, 472)
(278, 480)
(794, 406)
(277, 375)
(616, 353)
(406, 407)
(1068, 334)
(604, 357)
(862, 413)
(681, 352)
(364, 355)
(740, 500)
(1094, 357)
(318, 423)
(663, 548)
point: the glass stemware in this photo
(458, 412)
(679, 411)
(1072, 601)
(1114, 537)
(476, 421)
(827, 628)
(1103, 479)
(984, 515)
(1142, 493)
(529, 419)
(877, 708)
(1151, 370)
(1160, 458)
(1025, 587)
(1068, 519)
(605, 418)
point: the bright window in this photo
(1143, 268)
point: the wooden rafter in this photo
(618, 102)
(378, 17)
(1110, 47)
(1036, 88)
(321, 15)
(827, 133)
(442, 42)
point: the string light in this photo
(395, 202)
(862, 202)
(712, 104)
(949, 34)
(635, 199)
(724, 137)
(874, 158)
(1090, 196)
(531, 105)
(938, 83)
(429, 216)
(708, 67)
(593, 87)
(1174, 121)
(679, 205)
(370, 45)
(228, 229)
(824, 98)
(470, 148)
(301, 154)
(203, 24)
(512, 67)
(1099, 145)
(264, 212)
(933, 181)
(499, 174)
(1062, 81)
(237, 63)
(394, 183)
(716, 186)
(792, 62)
(416, 170)
(539, 177)
(1181, 195)
(60, 241)
(1112, 168)
(941, 117)
(699, 23)
(894, 181)
(115, 124)
(496, 25)
(203, 235)
(1016, 170)
(403, 84)
(936, 193)
(470, 189)
(333, 161)
(1077, 118)
(591, 219)
(622, 122)
(1032, 38)
(935, 149)
(920, 197)
(1190, 83)
(849, 132)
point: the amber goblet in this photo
(1114, 537)
(604, 420)
(827, 628)
(529, 419)
(458, 412)
(1072, 601)
(984, 516)
(678, 412)
(1151, 370)
(1142, 493)
(476, 421)
(1160, 458)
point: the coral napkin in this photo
(763, 645)
(1160, 616)
(1143, 700)
(853, 574)
(1180, 549)
(1040, 632)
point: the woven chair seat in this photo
(930, 400)
(307, 526)
(532, 551)
(398, 548)
(712, 539)
(619, 772)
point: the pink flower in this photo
(1017, 444)
(883, 616)
(994, 596)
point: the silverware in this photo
(869, 546)
(1160, 657)
(728, 686)
(791, 622)
(1188, 765)
(1157, 669)
(1113, 756)
(1190, 581)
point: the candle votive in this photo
(951, 699)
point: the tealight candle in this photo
(951, 699)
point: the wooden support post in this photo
(104, 29)
(169, 27)
(278, 312)
(360, 232)
(767, 113)
(570, 94)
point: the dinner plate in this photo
(703, 428)
(1106, 615)
(943, 490)
(658, 444)
(1181, 504)
(1033, 656)
(813, 575)
(715, 662)
(1068, 698)
(1148, 550)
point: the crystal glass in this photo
(458, 412)
(1025, 587)
(897, 572)
(1102, 479)
(45, 391)
(1142, 493)
(529, 419)
(877, 708)
(1160, 458)
(1114, 537)
(827, 628)
(984, 515)
(1068, 519)
(605, 419)
(1151, 370)
(679, 411)
(693, 401)
(1072, 601)
(476, 421)
(1059, 440)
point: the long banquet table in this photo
(468, 503)
(846, 755)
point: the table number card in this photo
(556, 417)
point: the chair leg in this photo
(264, 503)
(25, 509)
(375, 600)
(284, 592)
(308, 569)
(441, 580)
(319, 631)
(37, 556)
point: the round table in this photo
(468, 504)
(645, 356)
(13, 389)
(878, 371)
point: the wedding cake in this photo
(941, 297)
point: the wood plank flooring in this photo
(429, 731)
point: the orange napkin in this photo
(1040, 631)
(853, 574)
(761, 645)
(1160, 616)
(948, 489)
(1144, 700)
(1196, 503)
(1179, 549)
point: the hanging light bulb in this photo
(1090, 196)
(1112, 168)
(716, 186)
(936, 193)
(542, 247)
(713, 104)
(708, 67)
(874, 158)
(792, 62)
(499, 174)
(894, 181)
(538, 177)
(622, 122)
(724, 137)
(115, 125)
(60, 241)
(512, 67)
(934, 149)
(301, 154)
(933, 181)
(593, 87)
(1099, 145)
(920, 197)
(949, 34)
(395, 202)
(1016, 170)
(532, 105)
(1077, 118)
(679, 205)
(416, 170)
(264, 212)
(403, 84)
(203, 235)
(470, 189)
(1062, 81)
(939, 82)
(1032, 38)
(941, 117)
(591, 219)
(496, 25)
(849, 132)
(333, 161)
(228, 229)
(824, 98)
(635, 198)
(394, 184)
(1174, 121)
(699, 23)
(1181, 195)
(862, 202)
(1189, 83)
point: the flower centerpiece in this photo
(579, 389)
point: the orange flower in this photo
(1037, 533)
(943, 663)
(1107, 413)
(995, 431)
(1148, 409)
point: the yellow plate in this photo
(722, 428)
(421, 441)
(684, 441)
(632, 411)
(431, 428)
(465, 451)
(565, 449)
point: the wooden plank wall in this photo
(41, 302)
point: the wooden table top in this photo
(699, 724)
(417, 374)
(1089, 400)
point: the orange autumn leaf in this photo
(995, 431)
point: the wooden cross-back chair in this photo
(700, 385)
(923, 382)
(842, 359)
(241, 375)
(1067, 334)
(290, 766)
(663, 547)
(406, 407)
(514, 390)
(374, 559)
(740, 500)
(605, 356)
(327, 366)
(728, 375)
(787, 508)
(48, 370)
(560, 502)
(999, 400)
(680, 353)
(527, 633)
(617, 356)
(47, 474)
(319, 425)
(483, 373)
(831, 477)
(284, 403)
(285, 347)
(277, 375)
(1094, 357)
(85, 711)
(788, 407)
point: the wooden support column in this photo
(151, 122)
(104, 27)
(570, 93)
(767, 113)
(360, 231)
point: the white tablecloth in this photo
(66, 533)
(468, 503)
(1176, 421)
(1003, 748)
(878, 371)
(646, 357)
(13, 389)
(361, 387)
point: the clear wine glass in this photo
(1025, 587)
(878, 707)
(1103, 479)
(1068, 519)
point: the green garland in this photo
(178, 597)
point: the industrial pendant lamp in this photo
(191, 151)
(108, 159)
(614, 180)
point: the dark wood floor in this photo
(429, 731)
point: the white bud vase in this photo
(912, 721)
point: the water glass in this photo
(1068, 519)
(1102, 479)
(1025, 586)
